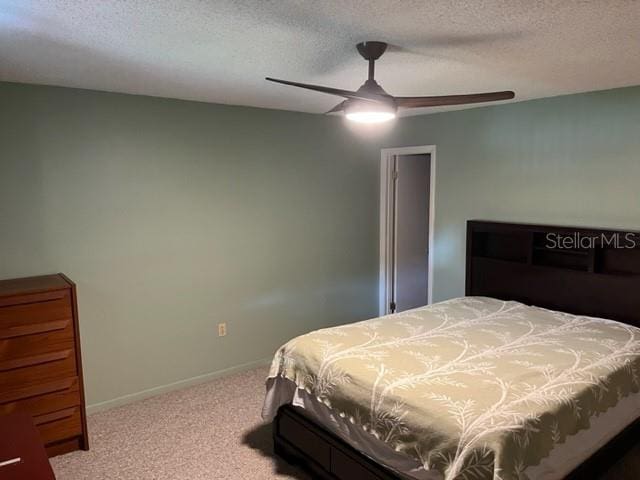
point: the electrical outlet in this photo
(222, 329)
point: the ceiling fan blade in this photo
(338, 108)
(331, 91)
(436, 101)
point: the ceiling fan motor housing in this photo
(378, 95)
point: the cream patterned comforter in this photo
(474, 388)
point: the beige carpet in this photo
(211, 431)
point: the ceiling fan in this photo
(371, 104)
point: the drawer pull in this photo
(22, 330)
(11, 461)
(55, 416)
(34, 360)
(35, 390)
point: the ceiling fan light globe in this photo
(370, 112)
(370, 117)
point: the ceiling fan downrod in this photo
(371, 51)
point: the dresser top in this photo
(44, 283)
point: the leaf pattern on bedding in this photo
(474, 388)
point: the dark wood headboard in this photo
(584, 271)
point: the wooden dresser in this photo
(40, 363)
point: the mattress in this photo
(468, 388)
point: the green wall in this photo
(172, 216)
(572, 160)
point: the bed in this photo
(534, 374)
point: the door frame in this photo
(384, 279)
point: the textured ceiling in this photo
(221, 50)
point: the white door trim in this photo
(386, 157)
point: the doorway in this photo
(407, 194)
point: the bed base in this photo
(301, 441)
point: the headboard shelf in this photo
(535, 264)
(512, 247)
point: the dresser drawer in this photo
(37, 400)
(60, 425)
(35, 308)
(31, 339)
(36, 369)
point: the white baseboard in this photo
(152, 392)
